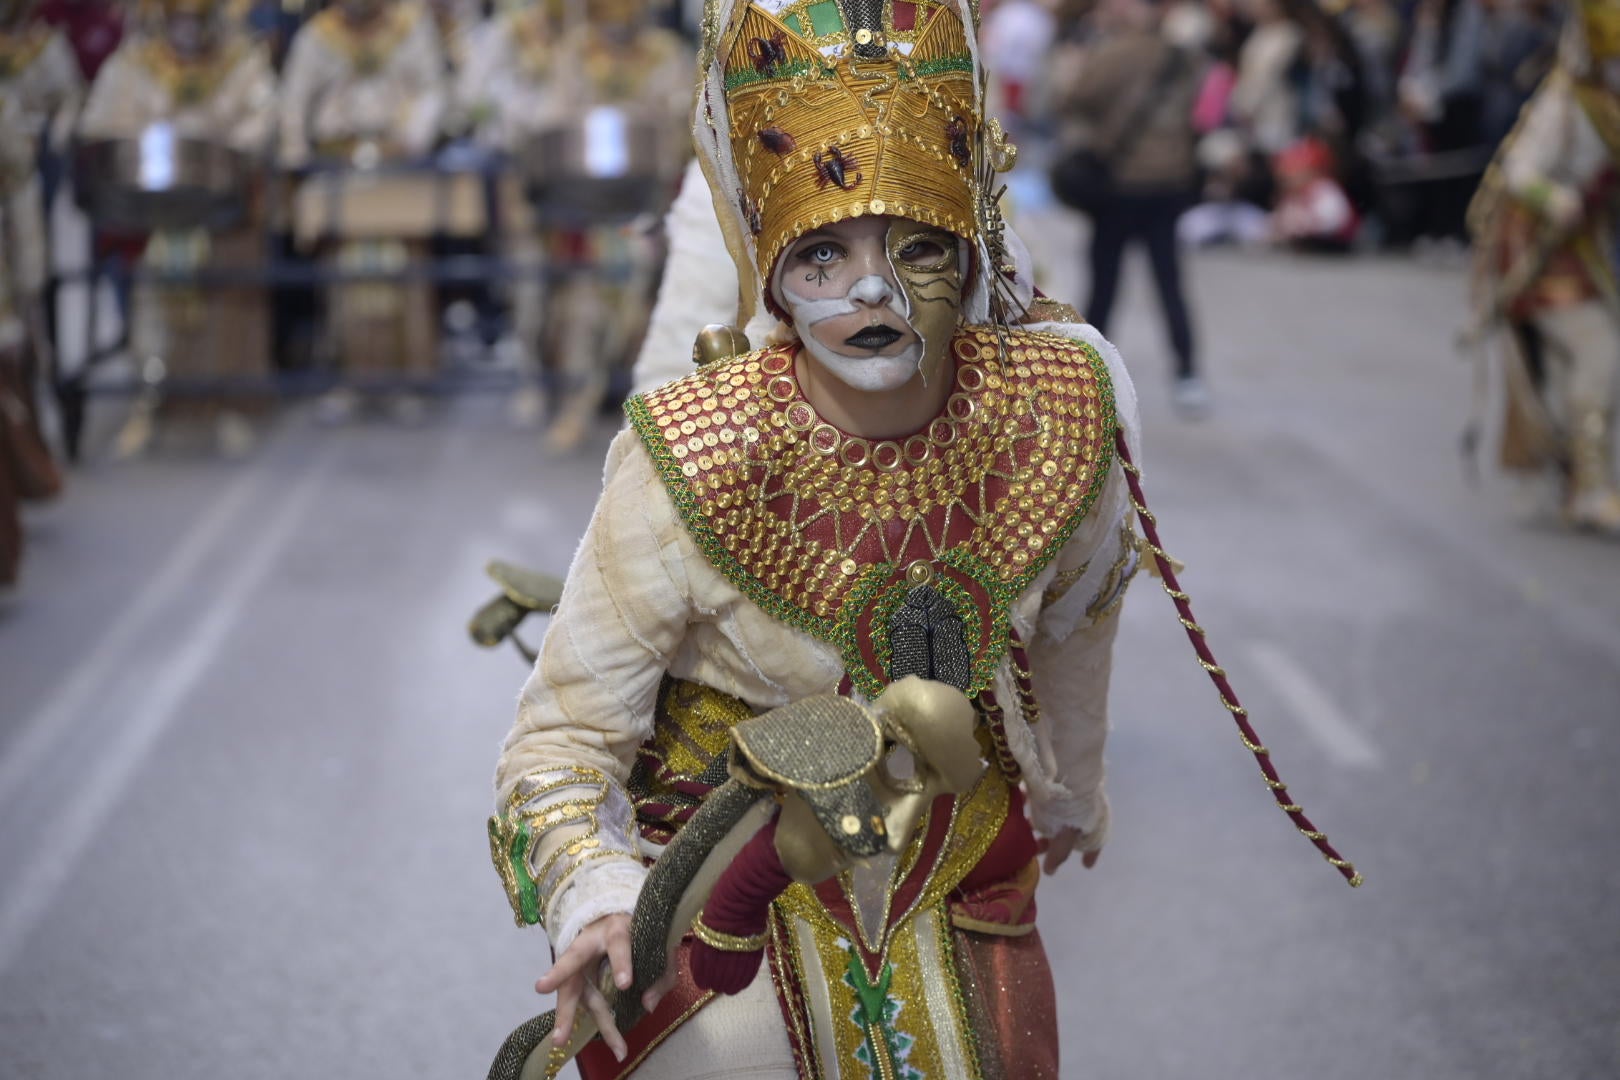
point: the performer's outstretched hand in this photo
(572, 979)
(1061, 844)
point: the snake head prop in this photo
(816, 786)
(854, 780)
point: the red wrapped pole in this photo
(1217, 674)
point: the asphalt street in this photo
(245, 743)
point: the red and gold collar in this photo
(829, 532)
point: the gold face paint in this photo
(928, 266)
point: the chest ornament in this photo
(906, 554)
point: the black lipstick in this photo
(874, 338)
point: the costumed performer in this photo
(614, 60)
(890, 464)
(40, 92)
(1544, 226)
(200, 80)
(364, 85)
(898, 479)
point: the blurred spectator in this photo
(1499, 50)
(1237, 191)
(1014, 41)
(1313, 212)
(1130, 97)
(1265, 100)
(1376, 30)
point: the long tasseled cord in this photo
(1217, 674)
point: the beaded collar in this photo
(829, 532)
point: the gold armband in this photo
(714, 939)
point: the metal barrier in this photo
(311, 209)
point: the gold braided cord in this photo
(724, 942)
(1196, 635)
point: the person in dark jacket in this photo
(1130, 97)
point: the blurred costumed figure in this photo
(505, 91)
(544, 72)
(364, 86)
(898, 467)
(40, 91)
(459, 23)
(1544, 224)
(195, 77)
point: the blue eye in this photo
(821, 254)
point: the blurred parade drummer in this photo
(364, 86)
(40, 91)
(196, 78)
(541, 70)
(199, 75)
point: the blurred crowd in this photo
(1322, 125)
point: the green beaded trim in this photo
(736, 80)
(841, 633)
(509, 842)
(953, 976)
(940, 65)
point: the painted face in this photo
(874, 299)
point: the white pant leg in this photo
(1584, 340)
(730, 1038)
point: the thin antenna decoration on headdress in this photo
(994, 154)
(1217, 674)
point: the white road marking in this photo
(1310, 704)
(99, 782)
(83, 678)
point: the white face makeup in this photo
(846, 294)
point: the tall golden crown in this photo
(845, 108)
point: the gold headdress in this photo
(815, 111)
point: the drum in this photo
(162, 180)
(607, 164)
